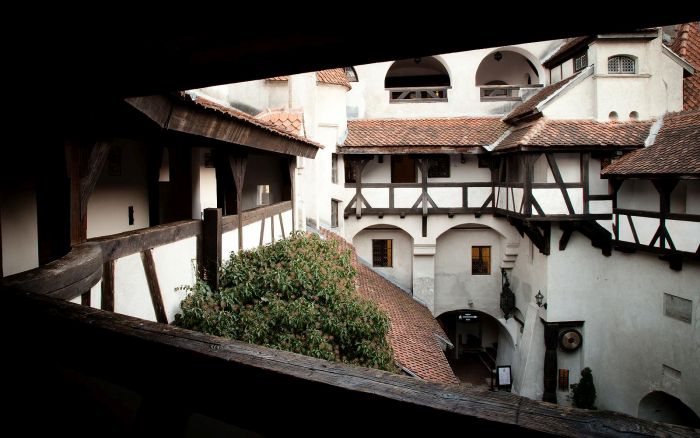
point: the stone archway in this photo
(660, 406)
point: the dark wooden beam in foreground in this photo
(132, 365)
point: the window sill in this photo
(622, 75)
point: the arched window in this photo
(621, 65)
(351, 74)
(417, 80)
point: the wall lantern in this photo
(498, 56)
(538, 299)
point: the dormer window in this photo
(581, 61)
(621, 65)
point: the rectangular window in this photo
(439, 166)
(349, 170)
(581, 61)
(334, 213)
(334, 168)
(403, 169)
(263, 194)
(678, 308)
(381, 253)
(481, 260)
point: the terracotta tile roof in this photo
(569, 45)
(422, 135)
(529, 106)
(676, 150)
(287, 121)
(577, 133)
(413, 328)
(687, 45)
(240, 115)
(335, 76)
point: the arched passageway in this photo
(475, 336)
(660, 406)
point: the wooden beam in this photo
(149, 268)
(73, 164)
(281, 225)
(292, 178)
(212, 246)
(95, 164)
(85, 299)
(107, 300)
(566, 235)
(585, 180)
(634, 230)
(207, 368)
(262, 232)
(238, 166)
(560, 181)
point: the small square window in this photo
(481, 260)
(382, 253)
(439, 166)
(581, 61)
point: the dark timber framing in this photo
(149, 267)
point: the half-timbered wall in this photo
(402, 253)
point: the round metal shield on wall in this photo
(570, 340)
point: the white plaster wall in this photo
(596, 184)
(455, 286)
(446, 197)
(569, 167)
(108, 206)
(229, 244)
(377, 198)
(405, 197)
(402, 250)
(638, 194)
(651, 92)
(685, 235)
(476, 196)
(18, 218)
(628, 337)
(463, 97)
(203, 184)
(552, 201)
(376, 172)
(176, 266)
(511, 69)
(576, 101)
(469, 171)
(131, 295)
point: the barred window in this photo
(481, 260)
(381, 253)
(621, 65)
(581, 61)
(439, 166)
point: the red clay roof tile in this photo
(420, 135)
(292, 122)
(413, 328)
(577, 133)
(687, 45)
(676, 150)
(529, 106)
(335, 76)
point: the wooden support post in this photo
(585, 178)
(358, 166)
(551, 337)
(424, 165)
(212, 245)
(238, 166)
(107, 301)
(155, 159)
(529, 164)
(85, 299)
(664, 187)
(292, 179)
(149, 268)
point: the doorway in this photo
(403, 169)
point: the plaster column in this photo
(424, 274)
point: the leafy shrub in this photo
(298, 295)
(584, 391)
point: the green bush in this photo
(584, 391)
(297, 295)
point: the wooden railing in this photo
(503, 92)
(99, 372)
(418, 94)
(655, 231)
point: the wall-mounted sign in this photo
(504, 378)
(467, 317)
